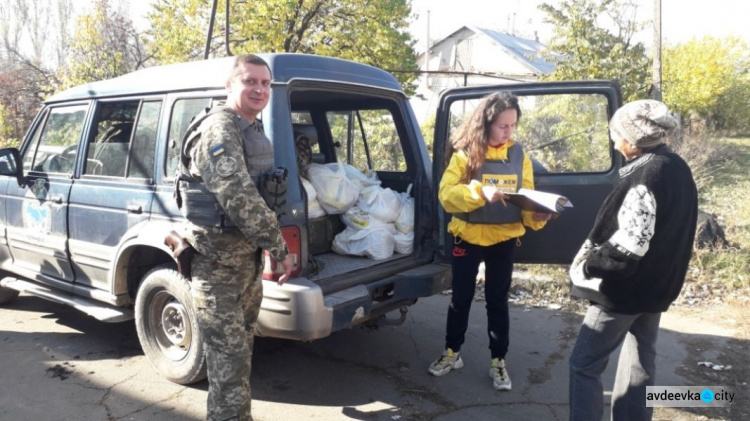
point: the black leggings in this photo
(498, 261)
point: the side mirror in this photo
(10, 159)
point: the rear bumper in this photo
(298, 310)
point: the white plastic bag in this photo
(384, 204)
(376, 243)
(314, 210)
(404, 242)
(336, 193)
(405, 220)
(361, 179)
(358, 219)
(309, 189)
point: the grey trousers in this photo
(601, 333)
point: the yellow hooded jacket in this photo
(457, 197)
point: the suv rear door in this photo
(564, 129)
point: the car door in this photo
(179, 111)
(37, 211)
(115, 188)
(564, 129)
(5, 256)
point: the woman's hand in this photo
(492, 194)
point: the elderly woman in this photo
(632, 265)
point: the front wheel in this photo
(165, 319)
(7, 295)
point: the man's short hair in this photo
(248, 59)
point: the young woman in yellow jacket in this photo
(484, 163)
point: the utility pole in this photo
(427, 44)
(656, 71)
(210, 33)
(427, 54)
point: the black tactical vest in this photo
(196, 202)
(506, 174)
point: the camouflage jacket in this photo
(217, 158)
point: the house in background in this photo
(473, 56)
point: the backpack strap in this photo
(191, 134)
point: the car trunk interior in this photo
(311, 115)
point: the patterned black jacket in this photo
(637, 254)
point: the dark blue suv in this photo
(87, 201)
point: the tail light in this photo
(272, 269)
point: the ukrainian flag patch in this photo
(217, 150)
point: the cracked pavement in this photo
(59, 364)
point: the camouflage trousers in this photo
(227, 300)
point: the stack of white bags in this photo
(378, 220)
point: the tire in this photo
(175, 349)
(7, 295)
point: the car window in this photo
(367, 139)
(54, 144)
(183, 112)
(561, 133)
(302, 119)
(141, 163)
(124, 140)
(110, 141)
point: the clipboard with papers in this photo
(539, 201)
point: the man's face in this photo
(249, 89)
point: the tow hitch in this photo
(385, 321)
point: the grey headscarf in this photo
(644, 123)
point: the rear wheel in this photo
(167, 327)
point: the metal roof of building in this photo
(525, 50)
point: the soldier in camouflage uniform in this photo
(228, 156)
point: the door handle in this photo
(135, 208)
(58, 199)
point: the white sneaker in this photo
(448, 361)
(500, 378)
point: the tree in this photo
(6, 130)
(35, 23)
(105, 45)
(708, 79)
(64, 11)
(428, 133)
(12, 23)
(368, 31)
(25, 77)
(584, 49)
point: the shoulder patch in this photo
(226, 166)
(217, 150)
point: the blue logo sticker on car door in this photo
(37, 215)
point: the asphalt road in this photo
(59, 364)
